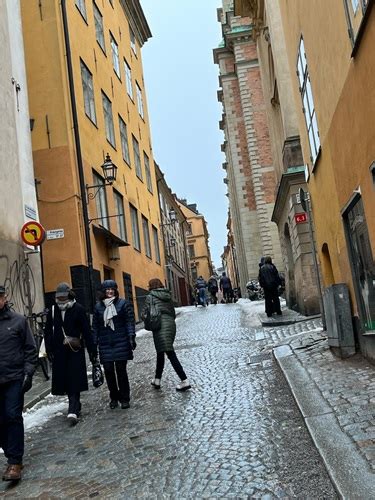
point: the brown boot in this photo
(13, 472)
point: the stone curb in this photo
(348, 470)
(281, 322)
(38, 397)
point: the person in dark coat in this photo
(269, 280)
(200, 286)
(67, 318)
(164, 337)
(213, 288)
(114, 333)
(226, 287)
(18, 360)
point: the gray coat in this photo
(163, 338)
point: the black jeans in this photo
(271, 297)
(174, 362)
(119, 390)
(11, 421)
(74, 403)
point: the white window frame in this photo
(88, 92)
(155, 236)
(146, 236)
(135, 228)
(308, 106)
(81, 6)
(124, 140)
(355, 5)
(121, 223)
(108, 120)
(99, 27)
(139, 100)
(115, 55)
(128, 80)
(146, 162)
(133, 44)
(101, 201)
(137, 158)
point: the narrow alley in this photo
(237, 433)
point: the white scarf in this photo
(64, 306)
(110, 312)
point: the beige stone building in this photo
(302, 291)
(249, 164)
(229, 256)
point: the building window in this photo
(191, 251)
(98, 18)
(146, 236)
(135, 228)
(108, 120)
(137, 158)
(148, 172)
(88, 92)
(101, 201)
(132, 41)
(124, 140)
(308, 103)
(194, 273)
(355, 5)
(156, 244)
(355, 11)
(189, 228)
(115, 56)
(140, 101)
(81, 5)
(128, 80)
(121, 225)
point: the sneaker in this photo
(72, 418)
(125, 404)
(155, 383)
(113, 404)
(183, 386)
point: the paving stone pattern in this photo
(237, 434)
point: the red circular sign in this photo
(33, 233)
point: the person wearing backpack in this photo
(159, 316)
(113, 328)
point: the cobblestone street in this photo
(237, 433)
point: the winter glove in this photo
(27, 383)
(133, 343)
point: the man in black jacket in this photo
(269, 280)
(18, 359)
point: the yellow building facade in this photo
(87, 100)
(197, 242)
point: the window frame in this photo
(106, 114)
(140, 105)
(146, 162)
(146, 236)
(137, 158)
(133, 41)
(101, 201)
(120, 212)
(88, 92)
(128, 80)
(81, 6)
(155, 237)
(98, 21)
(115, 55)
(136, 236)
(123, 128)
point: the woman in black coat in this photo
(67, 318)
(114, 332)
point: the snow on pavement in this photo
(43, 411)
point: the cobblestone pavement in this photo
(237, 434)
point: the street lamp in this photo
(109, 174)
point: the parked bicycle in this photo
(37, 322)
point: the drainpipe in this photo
(78, 153)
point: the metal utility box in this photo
(339, 320)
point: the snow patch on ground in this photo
(252, 309)
(43, 411)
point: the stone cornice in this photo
(137, 20)
(287, 179)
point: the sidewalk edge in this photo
(349, 472)
(36, 399)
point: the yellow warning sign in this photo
(33, 233)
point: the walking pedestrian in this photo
(160, 299)
(114, 333)
(200, 286)
(213, 288)
(269, 280)
(66, 334)
(18, 360)
(226, 287)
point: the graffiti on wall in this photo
(14, 275)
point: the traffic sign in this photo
(300, 218)
(33, 233)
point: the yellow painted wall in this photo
(56, 166)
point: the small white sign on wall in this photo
(55, 234)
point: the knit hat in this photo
(62, 290)
(109, 284)
(2, 290)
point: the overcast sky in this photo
(181, 81)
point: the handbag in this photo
(74, 343)
(97, 375)
(152, 318)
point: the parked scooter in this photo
(254, 290)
